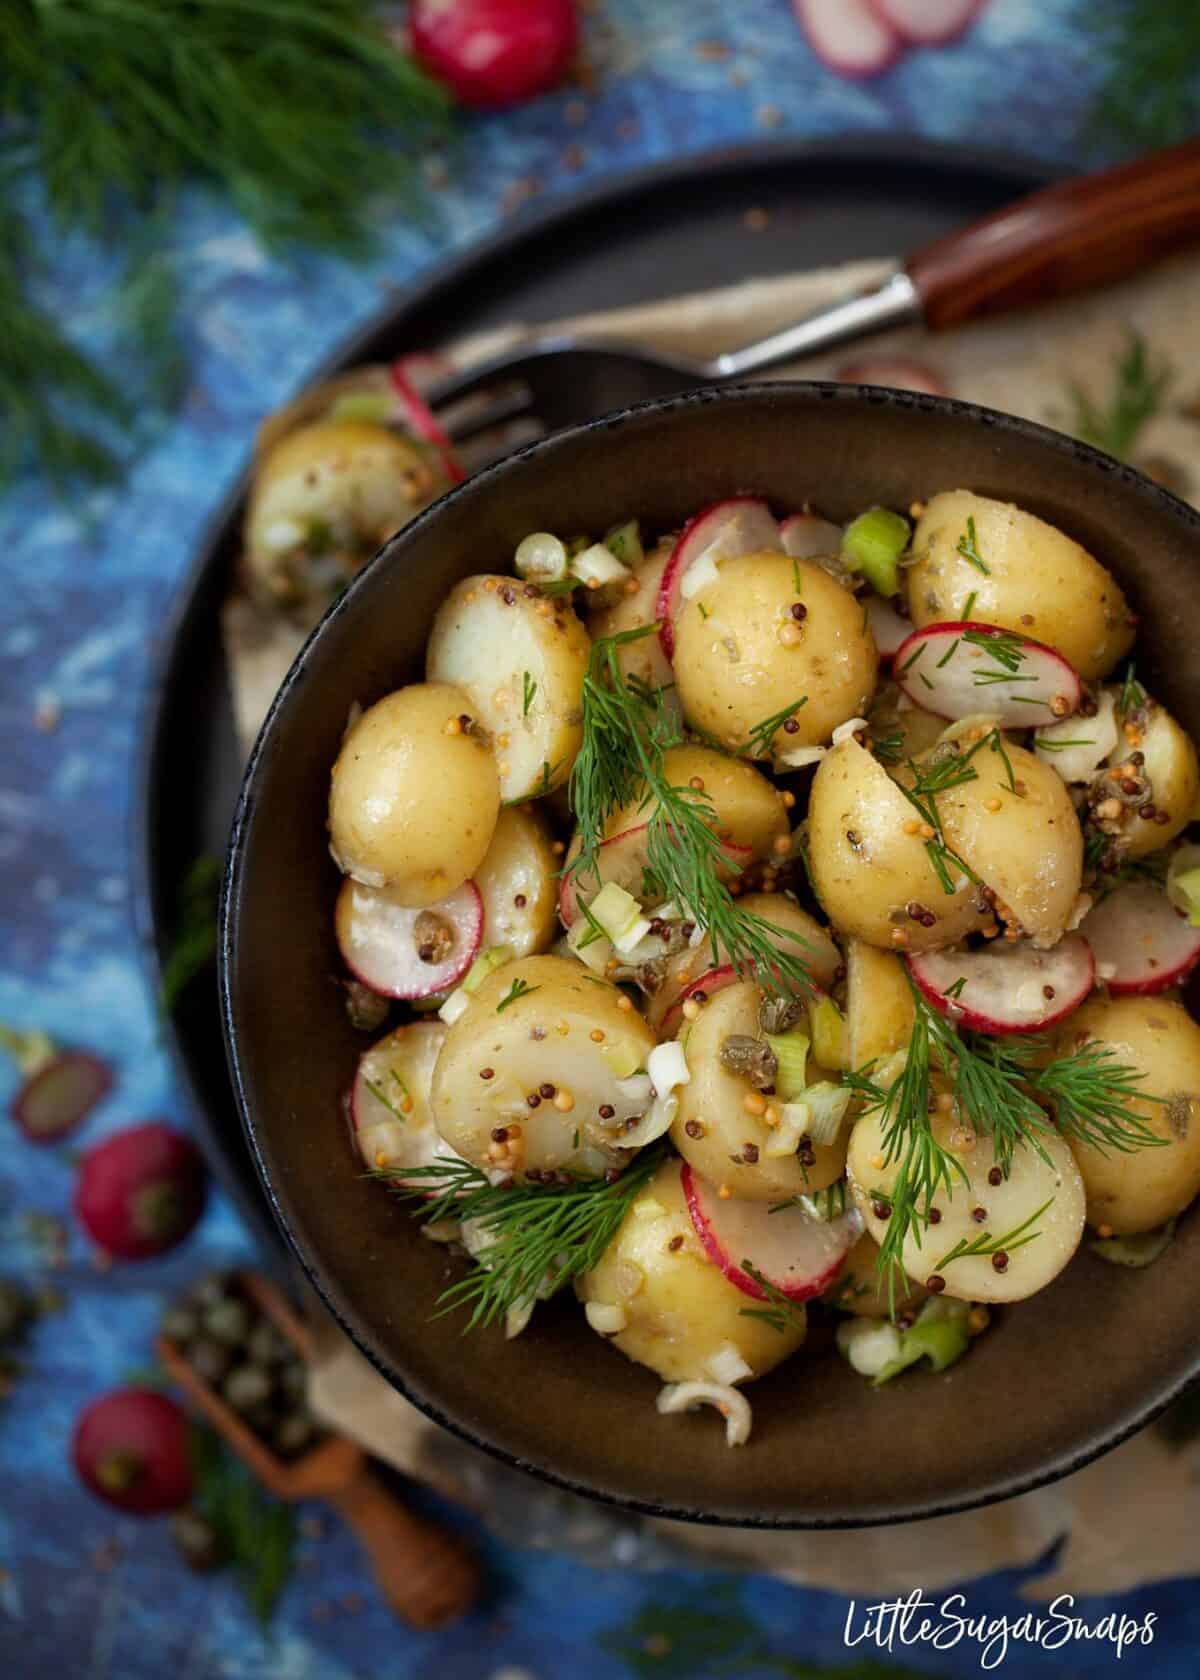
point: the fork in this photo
(1085, 232)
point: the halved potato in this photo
(643, 659)
(390, 1111)
(868, 868)
(539, 1056)
(680, 1312)
(862, 1289)
(909, 730)
(1141, 1190)
(522, 659)
(1028, 577)
(741, 654)
(714, 1131)
(518, 882)
(1032, 1183)
(879, 1004)
(414, 795)
(1172, 771)
(1027, 845)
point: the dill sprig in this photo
(952, 769)
(519, 989)
(1139, 388)
(540, 1238)
(782, 1312)
(758, 742)
(1132, 693)
(627, 732)
(1089, 1093)
(986, 1243)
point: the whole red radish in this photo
(493, 53)
(130, 1449)
(140, 1192)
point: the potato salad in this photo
(776, 920)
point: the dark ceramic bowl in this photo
(1057, 1380)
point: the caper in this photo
(293, 1433)
(228, 1321)
(213, 1288)
(266, 1344)
(180, 1323)
(293, 1379)
(209, 1359)
(246, 1386)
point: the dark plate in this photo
(677, 227)
(1058, 1380)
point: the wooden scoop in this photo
(427, 1575)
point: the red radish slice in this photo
(1141, 943)
(927, 23)
(621, 858)
(56, 1099)
(888, 628)
(381, 940)
(715, 980)
(896, 372)
(420, 419)
(738, 525)
(959, 669)
(809, 537)
(800, 1255)
(848, 36)
(1006, 988)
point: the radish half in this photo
(738, 525)
(896, 372)
(927, 23)
(1141, 942)
(888, 628)
(715, 980)
(957, 670)
(849, 36)
(809, 537)
(381, 941)
(796, 1253)
(1006, 988)
(621, 859)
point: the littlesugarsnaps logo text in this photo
(894, 1623)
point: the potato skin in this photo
(712, 1104)
(519, 864)
(681, 1309)
(645, 658)
(862, 1290)
(1139, 1191)
(1029, 850)
(728, 690)
(750, 811)
(879, 1004)
(412, 807)
(866, 869)
(1039, 581)
(524, 1045)
(492, 639)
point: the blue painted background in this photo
(82, 1590)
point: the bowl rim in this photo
(1063, 1463)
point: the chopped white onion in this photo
(795, 1122)
(728, 1366)
(606, 1319)
(733, 1406)
(868, 1344)
(846, 731)
(701, 572)
(542, 557)
(516, 1318)
(637, 1089)
(631, 937)
(655, 1123)
(455, 1005)
(667, 1066)
(799, 758)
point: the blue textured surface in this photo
(84, 588)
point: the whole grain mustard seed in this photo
(564, 1101)
(724, 1192)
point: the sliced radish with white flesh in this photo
(1006, 988)
(799, 1255)
(895, 372)
(888, 628)
(403, 952)
(699, 989)
(927, 23)
(738, 525)
(621, 859)
(848, 36)
(390, 1113)
(1141, 942)
(806, 536)
(958, 670)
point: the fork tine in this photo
(465, 417)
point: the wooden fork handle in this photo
(426, 1573)
(1066, 238)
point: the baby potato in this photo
(879, 1004)
(643, 659)
(414, 795)
(1030, 578)
(749, 809)
(540, 1054)
(1172, 772)
(332, 491)
(867, 867)
(522, 659)
(680, 1311)
(718, 1135)
(767, 632)
(912, 729)
(518, 882)
(861, 1289)
(1031, 1184)
(1026, 846)
(1141, 1190)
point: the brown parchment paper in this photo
(1131, 1517)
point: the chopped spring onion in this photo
(623, 1060)
(795, 1122)
(667, 1066)
(494, 957)
(625, 541)
(879, 1350)
(729, 1401)
(727, 1365)
(828, 1031)
(455, 1005)
(790, 1050)
(363, 405)
(1136, 1251)
(872, 544)
(620, 915)
(827, 1105)
(1183, 882)
(597, 566)
(869, 1345)
(698, 576)
(541, 557)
